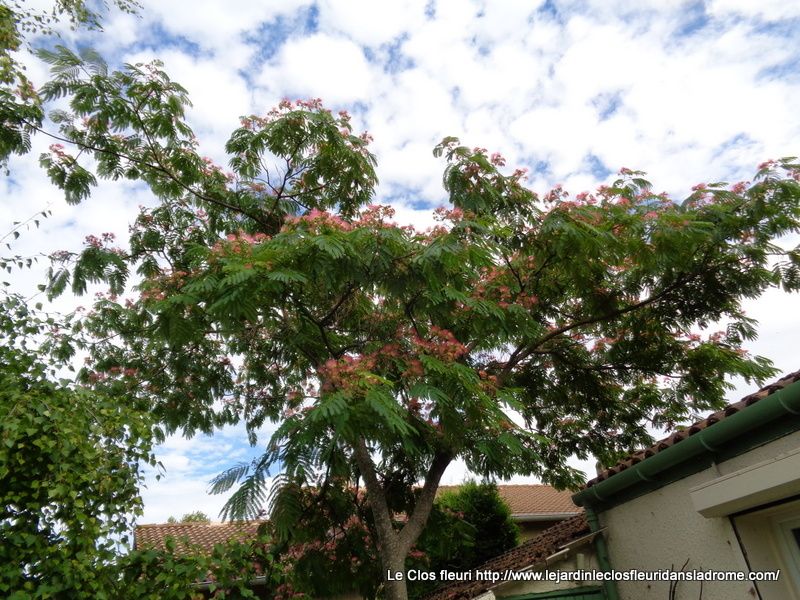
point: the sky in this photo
(573, 90)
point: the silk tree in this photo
(519, 331)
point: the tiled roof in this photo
(204, 535)
(679, 436)
(532, 553)
(534, 499)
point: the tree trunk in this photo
(393, 562)
(393, 546)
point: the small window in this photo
(788, 534)
(770, 540)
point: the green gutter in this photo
(780, 404)
(601, 552)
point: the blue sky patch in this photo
(739, 140)
(270, 37)
(607, 104)
(694, 19)
(596, 167)
(161, 37)
(430, 9)
(395, 60)
(788, 69)
(549, 9)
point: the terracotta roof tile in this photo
(532, 499)
(531, 553)
(204, 535)
(678, 436)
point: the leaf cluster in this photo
(70, 461)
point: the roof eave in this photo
(542, 517)
(780, 404)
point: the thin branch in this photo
(320, 326)
(21, 224)
(145, 164)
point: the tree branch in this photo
(332, 312)
(522, 352)
(376, 497)
(416, 521)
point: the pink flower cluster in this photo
(497, 159)
(443, 344)
(96, 376)
(58, 151)
(432, 233)
(520, 174)
(125, 372)
(345, 373)
(285, 591)
(317, 220)
(411, 365)
(99, 242)
(241, 236)
(499, 285)
(768, 164)
(602, 343)
(239, 243)
(152, 293)
(327, 547)
(209, 168)
(454, 214)
(376, 214)
(557, 194)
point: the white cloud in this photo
(320, 65)
(769, 10)
(371, 23)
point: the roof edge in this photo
(543, 516)
(780, 403)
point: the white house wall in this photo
(662, 529)
(583, 560)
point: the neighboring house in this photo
(720, 495)
(534, 507)
(200, 535)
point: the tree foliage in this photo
(197, 516)
(71, 464)
(517, 332)
(21, 112)
(494, 532)
(69, 471)
(235, 569)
